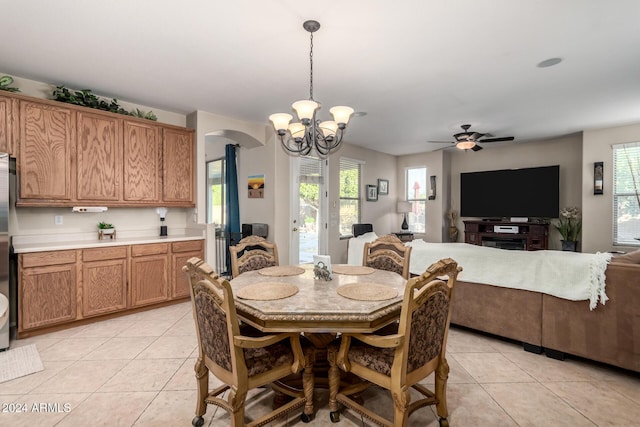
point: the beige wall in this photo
(597, 229)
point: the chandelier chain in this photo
(311, 69)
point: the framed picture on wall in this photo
(383, 187)
(372, 193)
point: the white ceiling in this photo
(418, 68)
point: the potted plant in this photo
(569, 226)
(106, 229)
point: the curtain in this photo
(231, 200)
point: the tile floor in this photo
(138, 370)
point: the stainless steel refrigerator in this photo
(4, 243)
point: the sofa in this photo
(607, 333)
(610, 333)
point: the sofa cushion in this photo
(629, 258)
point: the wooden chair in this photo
(399, 361)
(388, 253)
(241, 357)
(252, 253)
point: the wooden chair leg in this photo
(202, 378)
(334, 384)
(308, 384)
(442, 374)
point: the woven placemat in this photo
(267, 291)
(281, 270)
(364, 291)
(354, 270)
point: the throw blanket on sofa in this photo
(569, 275)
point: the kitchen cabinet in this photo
(46, 144)
(142, 157)
(8, 122)
(104, 280)
(178, 159)
(181, 252)
(149, 274)
(70, 155)
(99, 157)
(47, 289)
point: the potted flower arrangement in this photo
(569, 226)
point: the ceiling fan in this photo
(469, 140)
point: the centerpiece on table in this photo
(106, 229)
(569, 226)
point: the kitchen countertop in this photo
(26, 244)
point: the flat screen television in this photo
(527, 192)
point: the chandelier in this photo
(310, 133)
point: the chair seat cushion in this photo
(377, 359)
(260, 360)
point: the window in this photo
(416, 194)
(350, 178)
(216, 192)
(626, 201)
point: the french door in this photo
(308, 219)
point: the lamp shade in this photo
(465, 145)
(305, 109)
(341, 114)
(403, 207)
(329, 128)
(297, 130)
(280, 121)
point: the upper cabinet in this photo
(99, 150)
(142, 156)
(46, 145)
(69, 155)
(8, 110)
(177, 166)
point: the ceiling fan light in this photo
(280, 122)
(465, 145)
(305, 109)
(341, 115)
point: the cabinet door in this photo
(47, 296)
(8, 113)
(181, 253)
(142, 154)
(104, 280)
(46, 144)
(149, 279)
(99, 157)
(178, 166)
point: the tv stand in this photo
(523, 236)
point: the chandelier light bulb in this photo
(297, 130)
(305, 110)
(465, 145)
(329, 128)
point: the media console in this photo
(523, 236)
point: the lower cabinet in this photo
(149, 274)
(47, 289)
(181, 253)
(104, 280)
(60, 287)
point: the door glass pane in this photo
(309, 218)
(215, 192)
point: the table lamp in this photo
(404, 208)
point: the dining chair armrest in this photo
(262, 341)
(380, 341)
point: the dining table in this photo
(291, 298)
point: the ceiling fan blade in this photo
(476, 148)
(505, 138)
(441, 142)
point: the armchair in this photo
(241, 357)
(252, 253)
(400, 360)
(388, 253)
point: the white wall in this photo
(597, 217)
